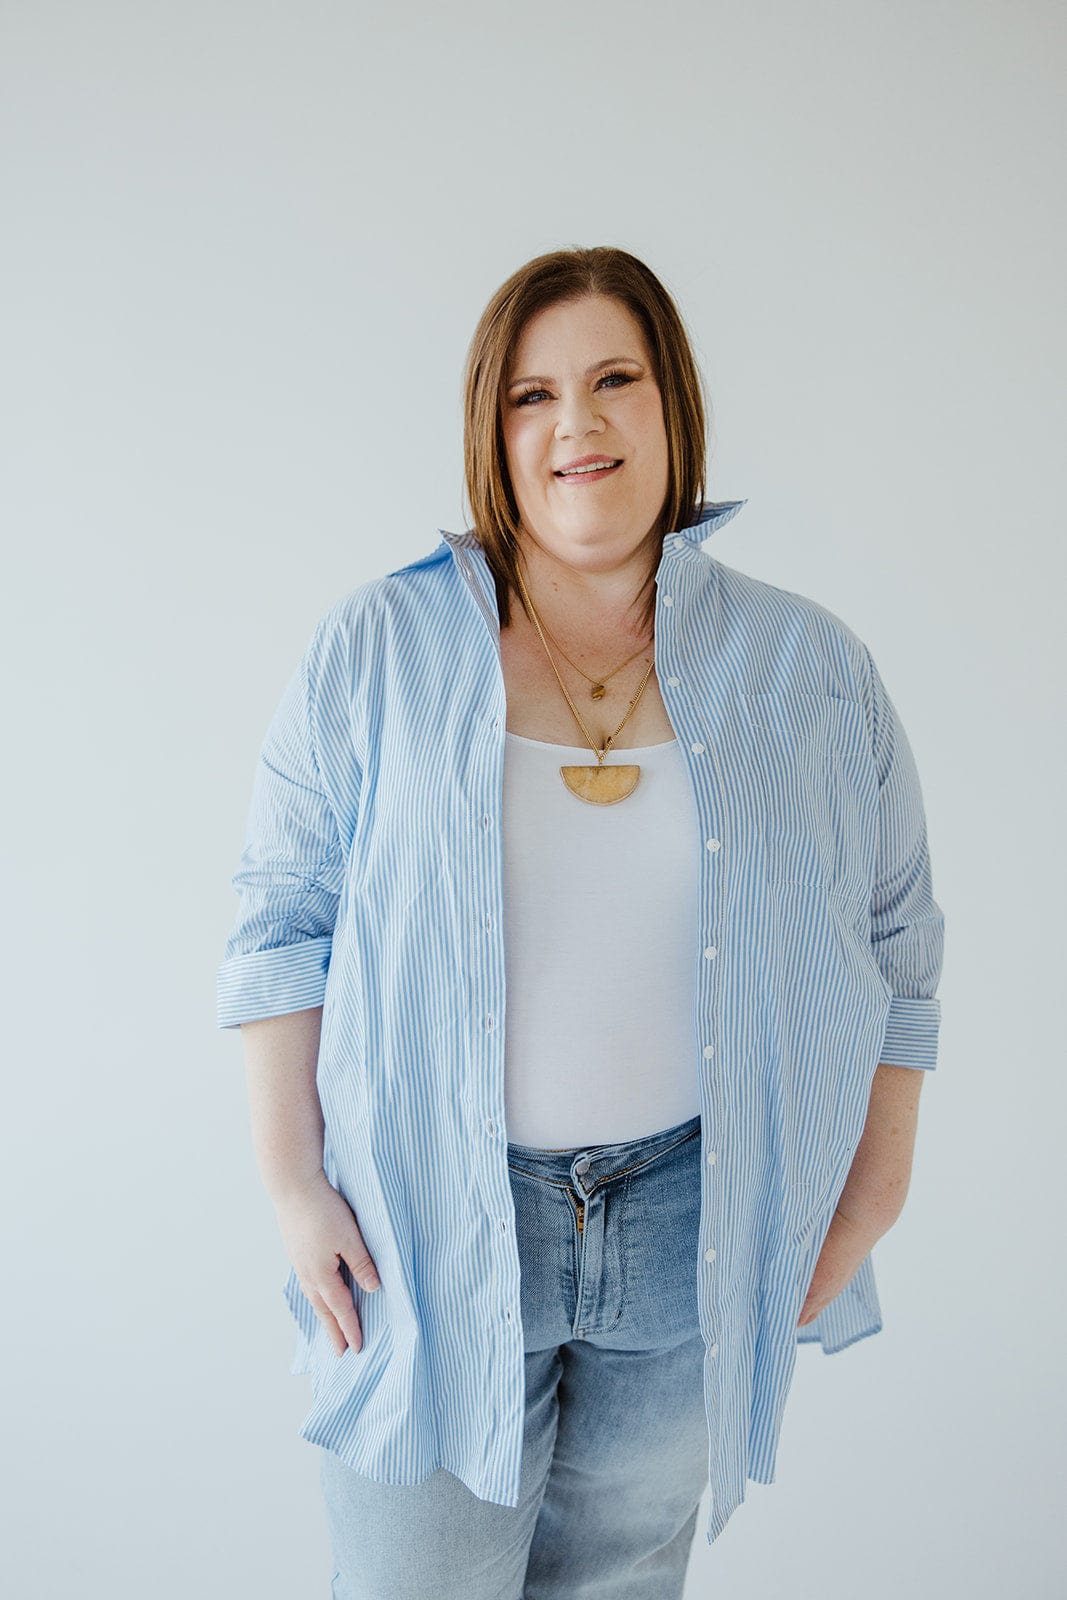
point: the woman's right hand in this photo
(320, 1231)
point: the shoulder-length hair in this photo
(544, 281)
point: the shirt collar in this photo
(713, 514)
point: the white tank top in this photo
(600, 935)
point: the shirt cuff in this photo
(911, 1033)
(270, 983)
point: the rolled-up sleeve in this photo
(907, 924)
(289, 875)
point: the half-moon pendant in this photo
(601, 786)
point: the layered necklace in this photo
(599, 785)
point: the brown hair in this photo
(546, 280)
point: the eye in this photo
(627, 377)
(526, 395)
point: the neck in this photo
(587, 602)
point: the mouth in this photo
(589, 471)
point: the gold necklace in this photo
(599, 785)
(598, 689)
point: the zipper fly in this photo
(580, 1208)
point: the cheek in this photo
(525, 452)
(653, 427)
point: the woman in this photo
(668, 814)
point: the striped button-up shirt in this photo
(371, 883)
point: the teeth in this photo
(597, 466)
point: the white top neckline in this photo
(546, 744)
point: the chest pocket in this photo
(807, 749)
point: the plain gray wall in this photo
(245, 246)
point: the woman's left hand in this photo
(874, 1190)
(848, 1241)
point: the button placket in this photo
(491, 1125)
(711, 950)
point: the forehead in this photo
(579, 326)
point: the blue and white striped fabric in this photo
(371, 883)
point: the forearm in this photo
(877, 1183)
(281, 1055)
(875, 1188)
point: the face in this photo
(581, 384)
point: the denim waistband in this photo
(602, 1158)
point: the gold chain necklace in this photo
(599, 785)
(598, 689)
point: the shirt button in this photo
(674, 682)
(712, 844)
(709, 1255)
(713, 1350)
(710, 950)
(490, 1126)
(711, 1157)
(697, 749)
(668, 600)
(709, 1051)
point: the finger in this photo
(338, 1296)
(343, 1331)
(357, 1258)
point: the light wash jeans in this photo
(615, 1449)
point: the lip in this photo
(579, 480)
(585, 461)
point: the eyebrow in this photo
(611, 361)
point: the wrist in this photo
(294, 1185)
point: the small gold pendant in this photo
(601, 786)
(598, 692)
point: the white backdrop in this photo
(245, 246)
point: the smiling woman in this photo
(650, 1009)
(579, 356)
(599, 422)
(594, 422)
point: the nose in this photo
(578, 415)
